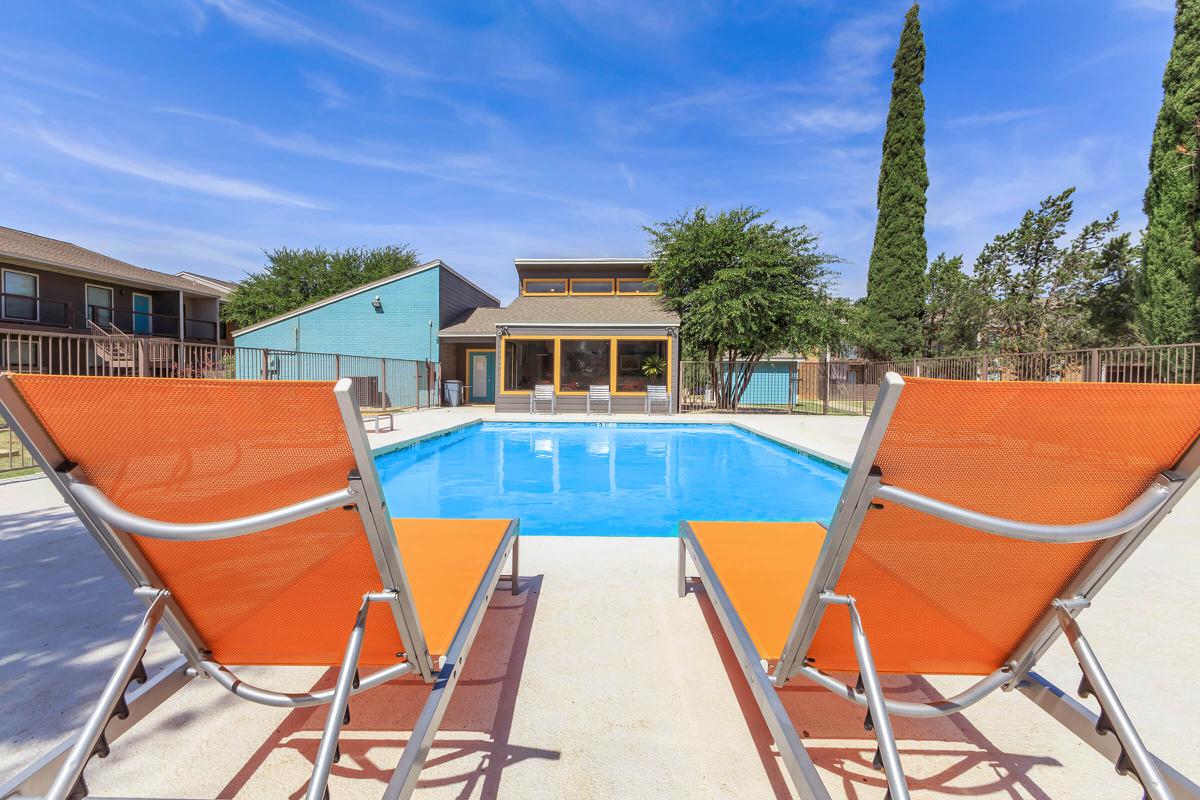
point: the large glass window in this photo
(528, 362)
(591, 286)
(583, 363)
(641, 364)
(547, 286)
(636, 286)
(17, 287)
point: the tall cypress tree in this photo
(896, 277)
(1169, 281)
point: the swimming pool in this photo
(579, 479)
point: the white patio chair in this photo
(543, 393)
(379, 423)
(601, 394)
(658, 394)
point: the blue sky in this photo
(194, 134)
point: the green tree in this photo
(1038, 291)
(1110, 299)
(743, 289)
(950, 319)
(1169, 282)
(294, 278)
(896, 276)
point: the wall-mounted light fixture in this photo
(377, 304)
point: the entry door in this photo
(481, 367)
(143, 307)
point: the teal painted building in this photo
(397, 317)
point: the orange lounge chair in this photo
(978, 519)
(249, 516)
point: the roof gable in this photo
(40, 251)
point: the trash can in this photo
(454, 393)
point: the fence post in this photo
(264, 363)
(337, 366)
(793, 383)
(417, 383)
(824, 380)
(1094, 366)
(384, 399)
(142, 362)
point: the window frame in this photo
(501, 352)
(36, 296)
(566, 284)
(112, 300)
(612, 287)
(613, 372)
(621, 291)
(558, 340)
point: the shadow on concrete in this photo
(832, 729)
(475, 730)
(68, 614)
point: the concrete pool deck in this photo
(595, 681)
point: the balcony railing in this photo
(24, 309)
(202, 329)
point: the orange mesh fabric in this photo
(445, 560)
(764, 567)
(939, 598)
(186, 450)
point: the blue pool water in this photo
(565, 479)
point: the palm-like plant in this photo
(654, 366)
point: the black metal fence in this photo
(849, 386)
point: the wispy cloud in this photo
(47, 66)
(627, 174)
(993, 118)
(845, 119)
(856, 52)
(271, 20)
(164, 172)
(331, 92)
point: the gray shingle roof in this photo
(629, 310)
(39, 250)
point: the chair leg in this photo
(682, 582)
(339, 713)
(1134, 758)
(887, 756)
(516, 551)
(91, 739)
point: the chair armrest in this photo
(1134, 515)
(96, 502)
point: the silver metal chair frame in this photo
(601, 394)
(57, 773)
(1121, 534)
(545, 397)
(654, 395)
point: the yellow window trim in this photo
(558, 340)
(525, 288)
(621, 291)
(610, 281)
(569, 291)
